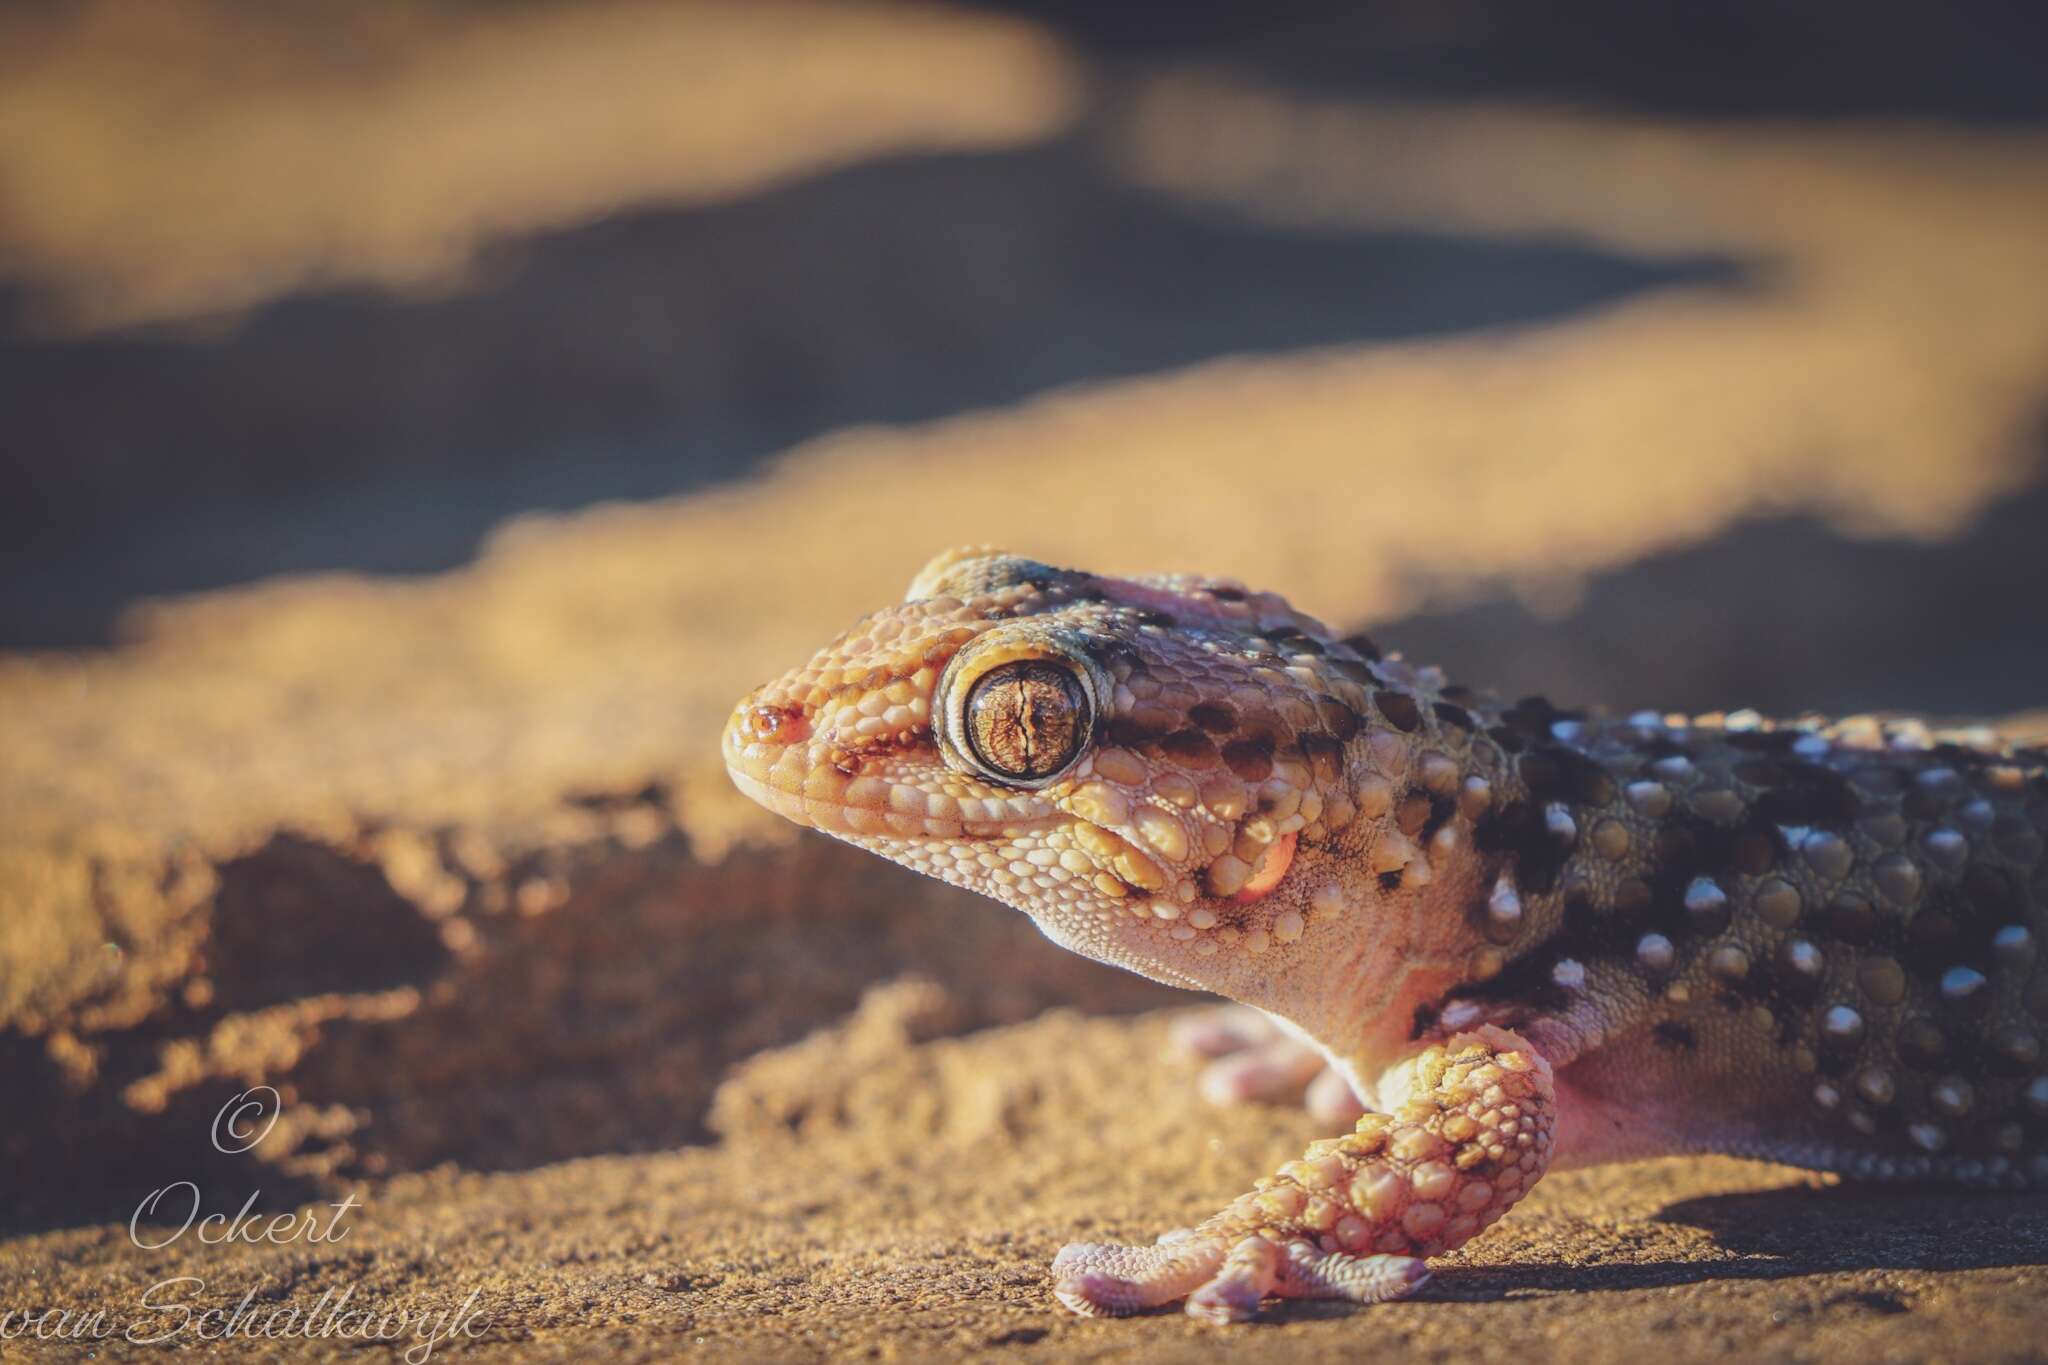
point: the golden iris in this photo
(1027, 719)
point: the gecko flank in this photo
(1527, 937)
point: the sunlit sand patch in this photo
(183, 159)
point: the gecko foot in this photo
(1357, 1216)
(1254, 1061)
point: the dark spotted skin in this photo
(1832, 930)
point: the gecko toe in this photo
(1307, 1272)
(1251, 1061)
(1233, 1294)
(1279, 1070)
(1107, 1280)
(1331, 1101)
(1220, 1030)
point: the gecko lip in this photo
(799, 786)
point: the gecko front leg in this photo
(1357, 1216)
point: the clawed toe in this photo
(1251, 1061)
(1308, 1272)
(1219, 1030)
(1331, 1100)
(1222, 1285)
(1248, 1274)
(1098, 1280)
(1269, 1073)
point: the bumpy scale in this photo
(1524, 936)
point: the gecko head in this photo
(1178, 775)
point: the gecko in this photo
(1527, 937)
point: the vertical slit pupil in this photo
(1026, 719)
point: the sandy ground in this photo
(1629, 401)
(879, 1198)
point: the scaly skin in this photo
(1526, 937)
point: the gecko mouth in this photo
(805, 787)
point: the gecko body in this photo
(1526, 936)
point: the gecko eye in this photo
(1028, 719)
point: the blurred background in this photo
(423, 421)
(1727, 322)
